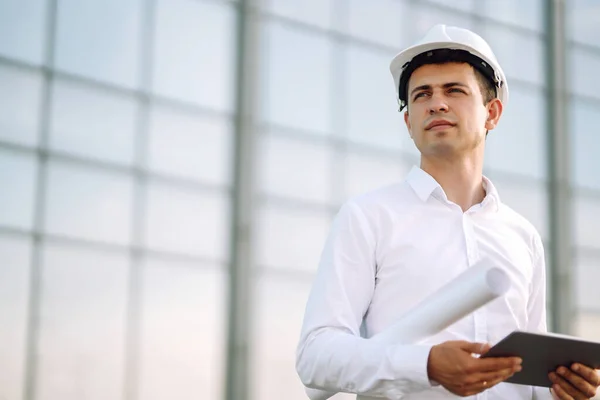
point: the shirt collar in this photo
(425, 185)
(422, 183)
(491, 194)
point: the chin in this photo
(439, 148)
(443, 149)
(441, 134)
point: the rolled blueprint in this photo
(466, 293)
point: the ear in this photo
(494, 110)
(407, 122)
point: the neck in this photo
(461, 179)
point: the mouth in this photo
(439, 125)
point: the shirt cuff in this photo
(411, 364)
(543, 393)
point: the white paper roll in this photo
(466, 293)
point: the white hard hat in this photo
(438, 45)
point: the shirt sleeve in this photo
(331, 354)
(536, 306)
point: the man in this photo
(390, 248)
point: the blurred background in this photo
(169, 170)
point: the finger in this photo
(478, 387)
(578, 382)
(566, 387)
(501, 375)
(485, 384)
(474, 347)
(560, 393)
(497, 363)
(587, 373)
(490, 378)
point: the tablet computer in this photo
(544, 352)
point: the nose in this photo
(437, 104)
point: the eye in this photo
(456, 90)
(421, 94)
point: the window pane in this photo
(530, 199)
(185, 221)
(586, 143)
(182, 332)
(190, 146)
(111, 135)
(15, 254)
(527, 14)
(23, 29)
(363, 173)
(297, 88)
(587, 325)
(518, 144)
(586, 211)
(372, 109)
(317, 12)
(378, 21)
(100, 39)
(19, 106)
(295, 168)
(549, 292)
(194, 52)
(583, 21)
(88, 203)
(280, 307)
(463, 5)
(509, 47)
(290, 238)
(587, 276)
(82, 324)
(584, 67)
(18, 174)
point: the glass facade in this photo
(584, 108)
(117, 154)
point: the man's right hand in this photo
(452, 365)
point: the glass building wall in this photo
(117, 131)
(584, 110)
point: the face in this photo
(446, 114)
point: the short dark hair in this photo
(487, 87)
(484, 72)
(488, 90)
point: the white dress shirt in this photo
(389, 249)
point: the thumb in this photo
(474, 347)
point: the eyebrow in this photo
(445, 86)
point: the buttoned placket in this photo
(473, 255)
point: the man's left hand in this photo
(578, 383)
